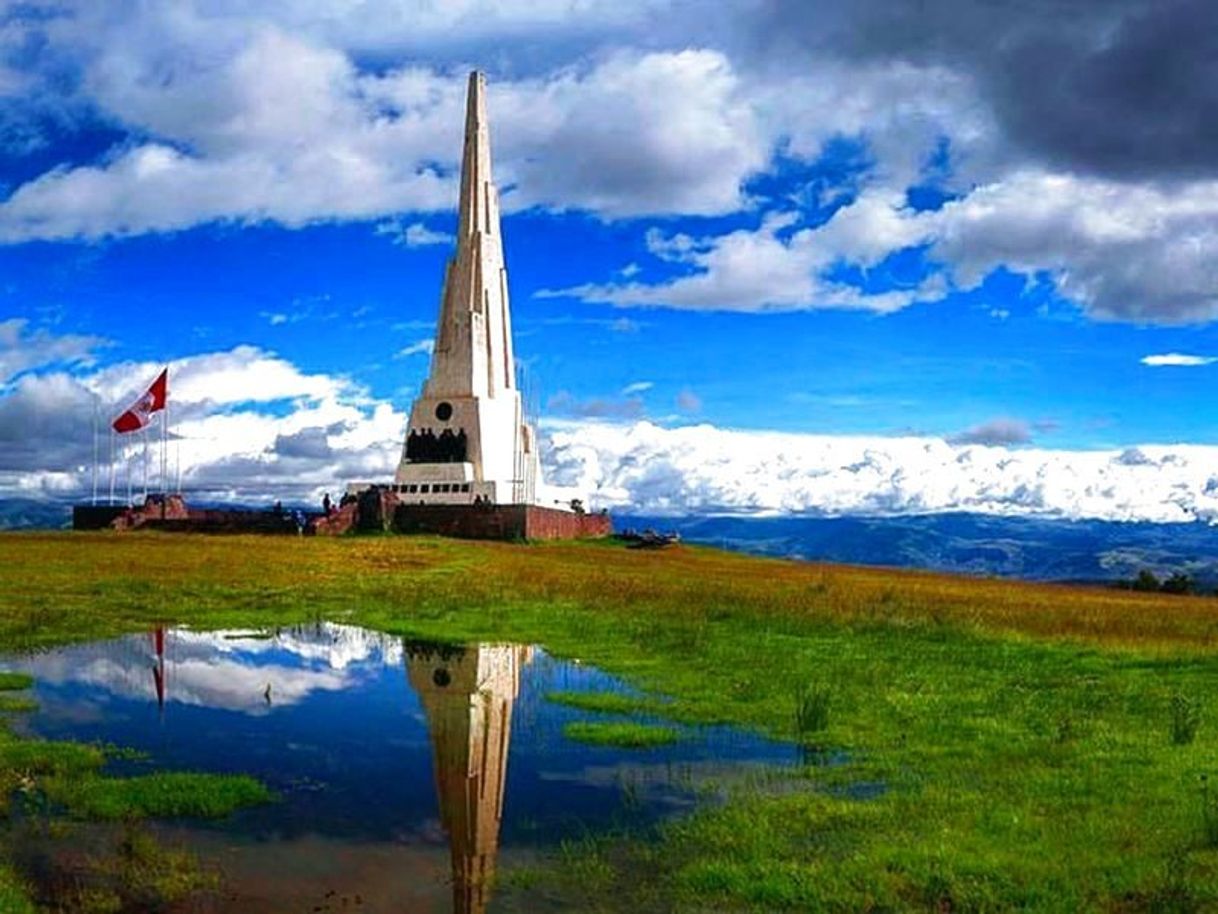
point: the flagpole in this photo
(111, 466)
(165, 460)
(145, 465)
(165, 451)
(127, 463)
(96, 454)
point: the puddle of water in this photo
(408, 770)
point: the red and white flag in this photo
(140, 413)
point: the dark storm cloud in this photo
(1122, 89)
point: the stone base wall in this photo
(376, 510)
(96, 517)
(170, 513)
(124, 517)
(549, 524)
(337, 522)
(500, 522)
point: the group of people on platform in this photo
(427, 447)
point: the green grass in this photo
(35, 757)
(1186, 719)
(812, 703)
(12, 682)
(620, 734)
(128, 868)
(160, 795)
(1018, 747)
(606, 702)
(65, 774)
(14, 897)
(17, 704)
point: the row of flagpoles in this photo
(137, 418)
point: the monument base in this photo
(380, 509)
(500, 522)
(375, 510)
(170, 513)
(96, 517)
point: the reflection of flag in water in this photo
(140, 412)
(158, 671)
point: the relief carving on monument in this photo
(425, 446)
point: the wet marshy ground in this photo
(407, 774)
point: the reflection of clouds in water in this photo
(337, 646)
(224, 670)
(237, 687)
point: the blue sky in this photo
(730, 219)
(346, 300)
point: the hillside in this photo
(1002, 746)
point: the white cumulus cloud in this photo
(415, 235)
(246, 424)
(647, 468)
(1177, 360)
(1121, 250)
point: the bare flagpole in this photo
(111, 466)
(127, 464)
(96, 446)
(145, 464)
(165, 457)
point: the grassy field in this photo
(622, 734)
(1009, 746)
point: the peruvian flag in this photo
(140, 413)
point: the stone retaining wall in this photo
(499, 522)
(376, 510)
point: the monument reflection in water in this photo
(468, 695)
(389, 757)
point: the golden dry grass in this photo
(73, 571)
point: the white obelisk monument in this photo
(468, 439)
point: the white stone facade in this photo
(468, 439)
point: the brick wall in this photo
(376, 510)
(548, 524)
(338, 522)
(499, 522)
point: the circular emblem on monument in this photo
(444, 412)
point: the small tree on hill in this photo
(1179, 582)
(1145, 581)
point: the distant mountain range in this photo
(1018, 547)
(27, 513)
